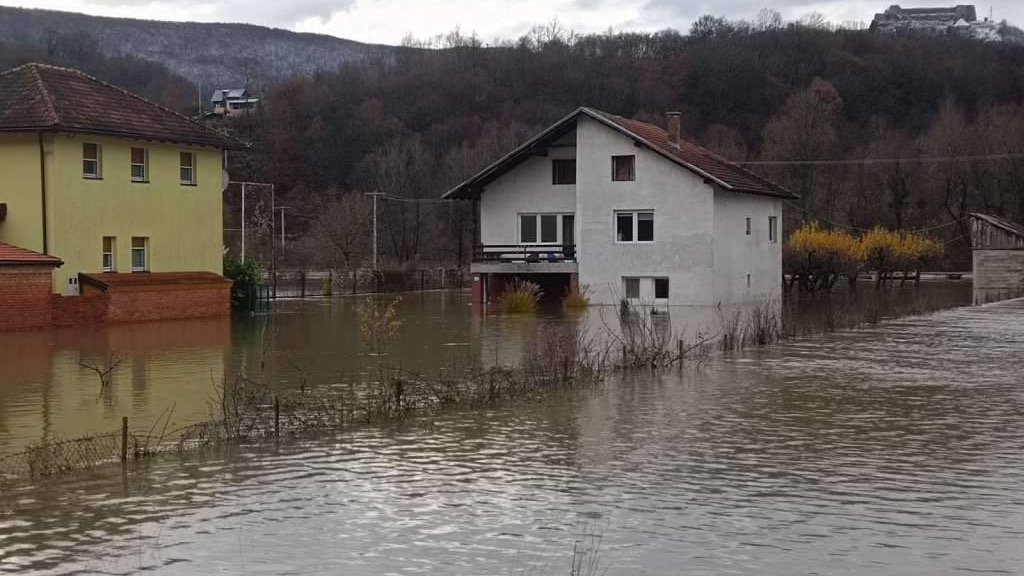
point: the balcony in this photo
(524, 258)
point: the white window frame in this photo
(654, 289)
(98, 160)
(145, 254)
(192, 168)
(559, 227)
(625, 289)
(773, 229)
(112, 267)
(132, 163)
(554, 162)
(636, 229)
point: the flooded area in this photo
(897, 448)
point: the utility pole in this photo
(375, 195)
(243, 221)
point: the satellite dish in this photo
(224, 180)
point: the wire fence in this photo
(300, 283)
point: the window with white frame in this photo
(140, 164)
(140, 256)
(546, 228)
(632, 227)
(660, 289)
(108, 254)
(631, 288)
(91, 160)
(773, 229)
(188, 168)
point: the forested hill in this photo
(213, 54)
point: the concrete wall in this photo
(683, 221)
(21, 190)
(183, 223)
(737, 254)
(525, 189)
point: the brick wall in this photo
(80, 310)
(25, 296)
(169, 304)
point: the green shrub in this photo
(246, 274)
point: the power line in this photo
(857, 229)
(913, 160)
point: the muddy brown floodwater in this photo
(893, 449)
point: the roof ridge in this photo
(127, 93)
(33, 69)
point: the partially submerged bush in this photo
(520, 297)
(576, 299)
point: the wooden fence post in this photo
(277, 417)
(124, 439)
(302, 279)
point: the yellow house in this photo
(106, 181)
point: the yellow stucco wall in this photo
(183, 224)
(20, 190)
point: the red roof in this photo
(690, 156)
(14, 255)
(42, 97)
(152, 280)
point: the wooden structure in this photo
(998, 258)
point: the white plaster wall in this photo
(737, 254)
(683, 208)
(525, 188)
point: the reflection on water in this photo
(45, 393)
(896, 449)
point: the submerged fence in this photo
(302, 283)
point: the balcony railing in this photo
(528, 253)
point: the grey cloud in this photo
(280, 13)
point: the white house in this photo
(631, 211)
(233, 102)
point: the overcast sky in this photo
(387, 21)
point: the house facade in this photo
(629, 210)
(107, 182)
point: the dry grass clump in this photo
(576, 299)
(520, 297)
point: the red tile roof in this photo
(14, 255)
(42, 97)
(690, 156)
(138, 281)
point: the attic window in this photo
(563, 171)
(187, 167)
(623, 168)
(90, 160)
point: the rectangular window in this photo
(773, 229)
(548, 228)
(140, 164)
(748, 226)
(90, 160)
(108, 254)
(563, 171)
(634, 226)
(188, 168)
(632, 288)
(527, 228)
(661, 288)
(624, 227)
(545, 228)
(623, 168)
(139, 256)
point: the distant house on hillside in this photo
(961, 20)
(232, 102)
(629, 209)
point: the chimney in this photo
(674, 121)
